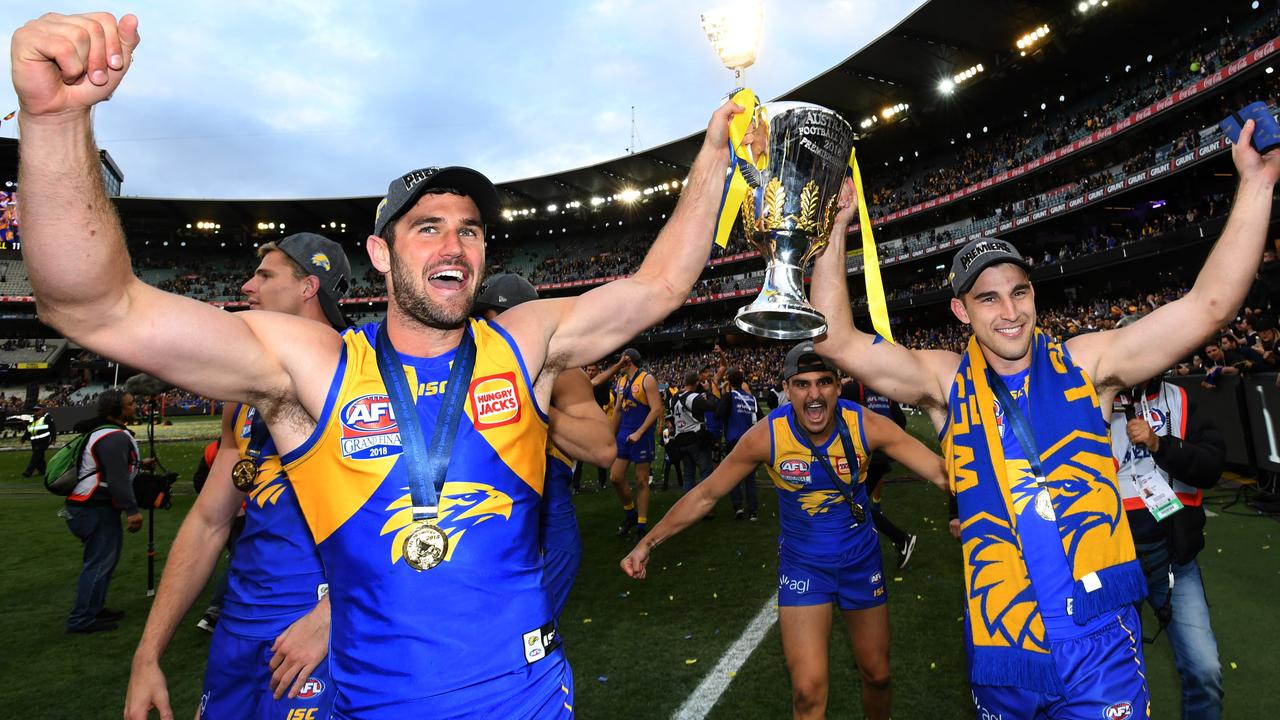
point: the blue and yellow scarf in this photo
(1005, 625)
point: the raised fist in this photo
(69, 63)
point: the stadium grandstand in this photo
(1107, 169)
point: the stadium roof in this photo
(905, 64)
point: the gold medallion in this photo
(244, 475)
(859, 514)
(425, 547)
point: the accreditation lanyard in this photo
(846, 442)
(425, 467)
(1018, 421)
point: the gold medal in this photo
(244, 475)
(425, 547)
(859, 514)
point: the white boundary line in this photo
(708, 692)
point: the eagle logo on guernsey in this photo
(369, 429)
(320, 260)
(463, 506)
(494, 401)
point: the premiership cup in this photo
(800, 153)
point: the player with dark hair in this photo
(639, 407)
(459, 399)
(1051, 575)
(815, 449)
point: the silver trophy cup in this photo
(800, 159)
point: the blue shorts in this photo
(541, 691)
(559, 569)
(237, 683)
(640, 451)
(851, 583)
(1103, 673)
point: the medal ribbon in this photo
(1018, 421)
(735, 183)
(425, 467)
(259, 438)
(876, 303)
(846, 442)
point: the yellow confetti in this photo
(680, 563)
(586, 621)
(898, 579)
(644, 613)
(1266, 547)
(690, 661)
(733, 673)
(933, 666)
(1235, 666)
(919, 597)
(671, 597)
(715, 596)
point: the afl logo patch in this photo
(1119, 711)
(369, 428)
(494, 401)
(794, 471)
(311, 688)
(1158, 421)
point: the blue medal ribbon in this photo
(259, 440)
(842, 429)
(1017, 421)
(425, 467)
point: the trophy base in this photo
(781, 321)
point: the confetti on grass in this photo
(1235, 666)
(690, 661)
(586, 621)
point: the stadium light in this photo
(734, 31)
(1026, 42)
(889, 112)
(947, 86)
(629, 195)
(552, 207)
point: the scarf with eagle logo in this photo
(1006, 629)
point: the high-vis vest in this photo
(39, 428)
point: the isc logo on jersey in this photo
(494, 401)
(795, 472)
(369, 428)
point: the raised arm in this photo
(578, 426)
(750, 451)
(1127, 356)
(190, 563)
(73, 244)
(910, 376)
(884, 434)
(584, 328)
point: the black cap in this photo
(405, 190)
(318, 255)
(802, 359)
(978, 255)
(633, 355)
(503, 292)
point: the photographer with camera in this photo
(1166, 453)
(107, 469)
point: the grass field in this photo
(638, 649)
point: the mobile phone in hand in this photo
(1266, 132)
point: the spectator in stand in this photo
(111, 461)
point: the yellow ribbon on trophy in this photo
(735, 185)
(876, 304)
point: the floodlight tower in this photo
(735, 31)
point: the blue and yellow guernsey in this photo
(633, 403)
(275, 574)
(816, 522)
(404, 642)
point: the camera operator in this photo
(1166, 454)
(691, 440)
(108, 467)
